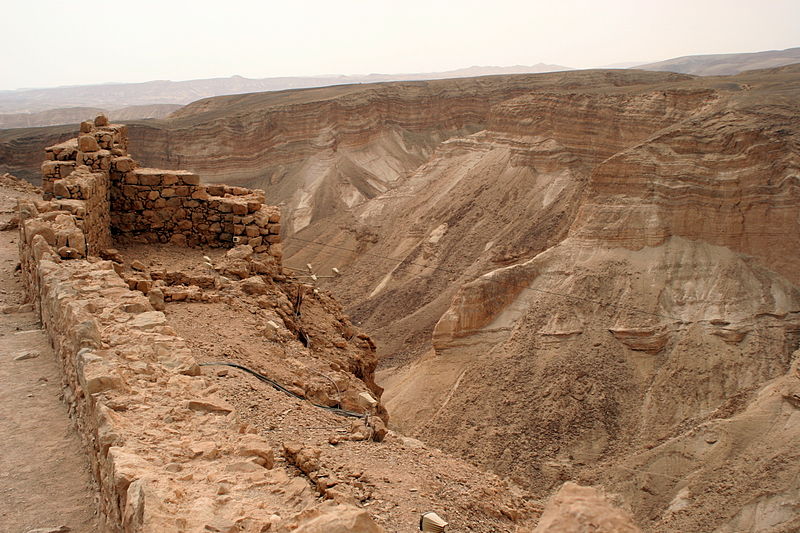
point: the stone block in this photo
(210, 405)
(149, 179)
(95, 374)
(148, 320)
(215, 190)
(200, 194)
(87, 143)
(50, 168)
(190, 179)
(123, 164)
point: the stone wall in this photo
(152, 205)
(166, 452)
(140, 406)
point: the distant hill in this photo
(726, 64)
(71, 115)
(118, 95)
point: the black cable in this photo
(277, 386)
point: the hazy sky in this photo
(47, 43)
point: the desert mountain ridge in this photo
(129, 101)
(73, 115)
(117, 95)
(726, 64)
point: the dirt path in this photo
(44, 473)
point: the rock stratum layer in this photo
(577, 276)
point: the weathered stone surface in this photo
(255, 446)
(148, 320)
(26, 355)
(254, 285)
(577, 509)
(217, 406)
(87, 143)
(331, 517)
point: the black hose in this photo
(277, 386)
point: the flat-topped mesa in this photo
(152, 205)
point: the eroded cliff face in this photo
(327, 150)
(623, 287)
(669, 311)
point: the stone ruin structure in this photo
(95, 179)
(161, 440)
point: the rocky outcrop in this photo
(575, 509)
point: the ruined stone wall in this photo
(152, 205)
(131, 384)
(139, 403)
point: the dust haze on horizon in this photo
(51, 43)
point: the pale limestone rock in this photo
(304, 457)
(252, 445)
(96, 374)
(148, 320)
(240, 252)
(87, 143)
(210, 405)
(206, 449)
(254, 285)
(26, 355)
(331, 517)
(577, 509)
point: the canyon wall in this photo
(578, 264)
(668, 311)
